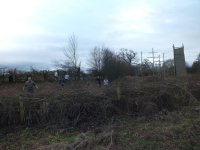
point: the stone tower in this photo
(179, 61)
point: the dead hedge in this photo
(65, 112)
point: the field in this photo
(132, 113)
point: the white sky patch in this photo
(8, 46)
(168, 21)
(134, 13)
(16, 16)
(38, 29)
(132, 20)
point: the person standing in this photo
(105, 82)
(30, 85)
(66, 77)
(56, 75)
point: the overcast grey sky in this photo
(35, 32)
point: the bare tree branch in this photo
(71, 52)
(129, 56)
(96, 57)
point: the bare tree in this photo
(196, 65)
(72, 64)
(95, 61)
(129, 56)
(198, 57)
(146, 67)
(113, 66)
(71, 53)
(105, 62)
(169, 66)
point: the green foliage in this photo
(70, 139)
(62, 138)
(150, 144)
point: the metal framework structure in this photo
(179, 61)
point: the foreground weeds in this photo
(122, 132)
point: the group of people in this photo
(61, 79)
(30, 85)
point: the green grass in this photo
(147, 142)
(168, 134)
(61, 138)
(70, 139)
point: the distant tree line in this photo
(195, 68)
(104, 62)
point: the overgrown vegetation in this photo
(132, 113)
